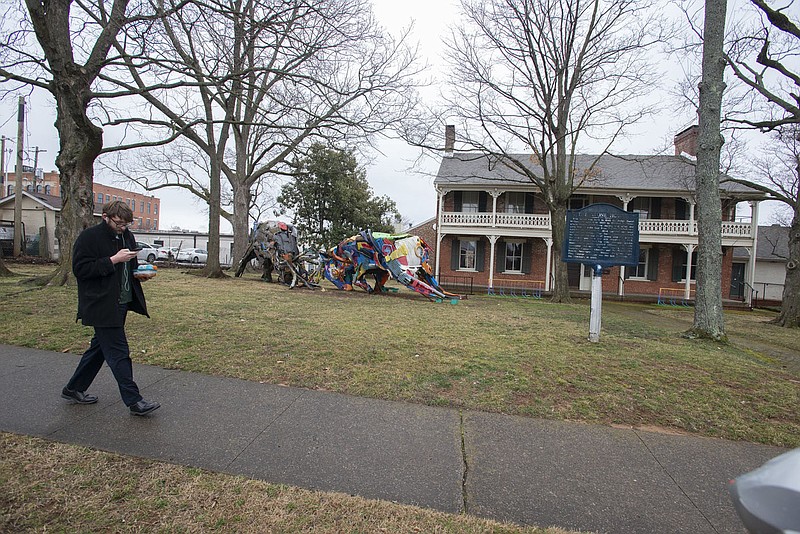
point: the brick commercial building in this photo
(146, 208)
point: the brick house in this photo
(493, 225)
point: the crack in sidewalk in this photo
(465, 464)
(677, 484)
(266, 427)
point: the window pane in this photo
(515, 202)
(577, 202)
(469, 201)
(640, 271)
(513, 256)
(694, 266)
(467, 254)
(640, 205)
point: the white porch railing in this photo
(508, 220)
(468, 219)
(542, 221)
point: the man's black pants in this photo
(109, 344)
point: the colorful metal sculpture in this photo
(403, 257)
(274, 245)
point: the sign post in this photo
(600, 236)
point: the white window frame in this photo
(642, 251)
(515, 258)
(467, 254)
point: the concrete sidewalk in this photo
(529, 471)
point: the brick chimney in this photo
(686, 141)
(449, 140)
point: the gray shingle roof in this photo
(618, 173)
(773, 244)
(50, 200)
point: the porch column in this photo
(549, 242)
(439, 239)
(492, 240)
(687, 290)
(439, 235)
(751, 264)
(626, 198)
(495, 193)
(691, 217)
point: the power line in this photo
(13, 114)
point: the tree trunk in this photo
(241, 220)
(558, 221)
(790, 306)
(80, 144)
(212, 268)
(708, 315)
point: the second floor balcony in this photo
(541, 223)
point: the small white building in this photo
(40, 214)
(772, 253)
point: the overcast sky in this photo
(388, 172)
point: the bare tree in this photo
(272, 77)
(763, 55)
(762, 49)
(65, 47)
(779, 172)
(542, 75)
(708, 313)
(71, 48)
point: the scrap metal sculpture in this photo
(403, 257)
(274, 245)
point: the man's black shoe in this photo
(78, 396)
(143, 407)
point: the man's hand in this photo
(123, 255)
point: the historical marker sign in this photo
(601, 234)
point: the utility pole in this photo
(18, 237)
(36, 151)
(3, 165)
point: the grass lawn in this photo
(500, 354)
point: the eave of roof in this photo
(607, 173)
(49, 201)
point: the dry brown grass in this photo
(53, 487)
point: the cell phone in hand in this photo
(135, 249)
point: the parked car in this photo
(194, 255)
(167, 253)
(149, 252)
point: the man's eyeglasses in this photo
(118, 223)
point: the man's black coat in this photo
(99, 280)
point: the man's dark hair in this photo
(118, 209)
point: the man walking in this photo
(103, 263)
